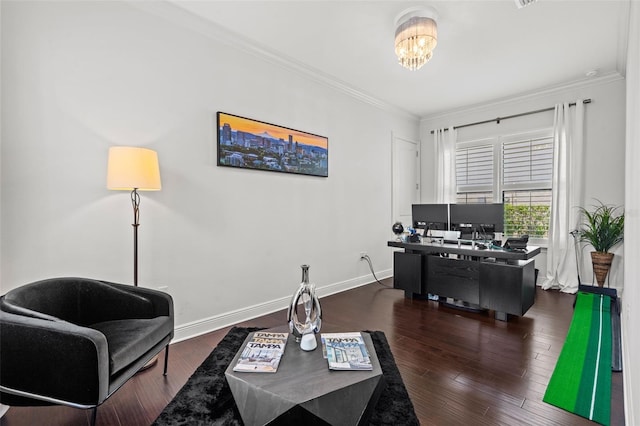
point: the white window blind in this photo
(528, 162)
(474, 168)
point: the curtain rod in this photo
(498, 119)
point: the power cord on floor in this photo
(368, 259)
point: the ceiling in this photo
(487, 50)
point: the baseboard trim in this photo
(226, 319)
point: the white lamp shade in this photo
(133, 168)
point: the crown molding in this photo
(530, 95)
(172, 12)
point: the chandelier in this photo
(416, 37)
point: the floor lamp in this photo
(133, 169)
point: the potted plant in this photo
(603, 228)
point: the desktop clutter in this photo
(412, 235)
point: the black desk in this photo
(495, 279)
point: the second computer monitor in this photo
(480, 218)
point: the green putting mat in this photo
(581, 381)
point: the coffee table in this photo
(305, 391)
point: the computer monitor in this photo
(431, 216)
(484, 219)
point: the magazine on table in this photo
(262, 353)
(345, 351)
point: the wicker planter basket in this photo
(601, 265)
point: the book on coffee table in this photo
(345, 351)
(262, 353)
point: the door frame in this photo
(394, 178)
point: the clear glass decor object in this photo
(305, 296)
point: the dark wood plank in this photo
(459, 367)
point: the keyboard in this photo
(463, 242)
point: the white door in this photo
(405, 168)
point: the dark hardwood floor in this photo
(459, 368)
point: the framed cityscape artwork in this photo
(253, 144)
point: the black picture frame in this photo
(253, 144)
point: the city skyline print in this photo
(253, 144)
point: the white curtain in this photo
(567, 197)
(445, 144)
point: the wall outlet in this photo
(363, 255)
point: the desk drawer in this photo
(454, 278)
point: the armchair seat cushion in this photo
(129, 339)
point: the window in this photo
(515, 170)
(527, 212)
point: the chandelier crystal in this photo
(415, 40)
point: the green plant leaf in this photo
(603, 227)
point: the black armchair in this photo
(76, 341)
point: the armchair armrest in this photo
(52, 361)
(107, 301)
(161, 302)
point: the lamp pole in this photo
(135, 202)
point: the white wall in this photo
(631, 296)
(604, 139)
(78, 77)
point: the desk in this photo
(495, 279)
(305, 391)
